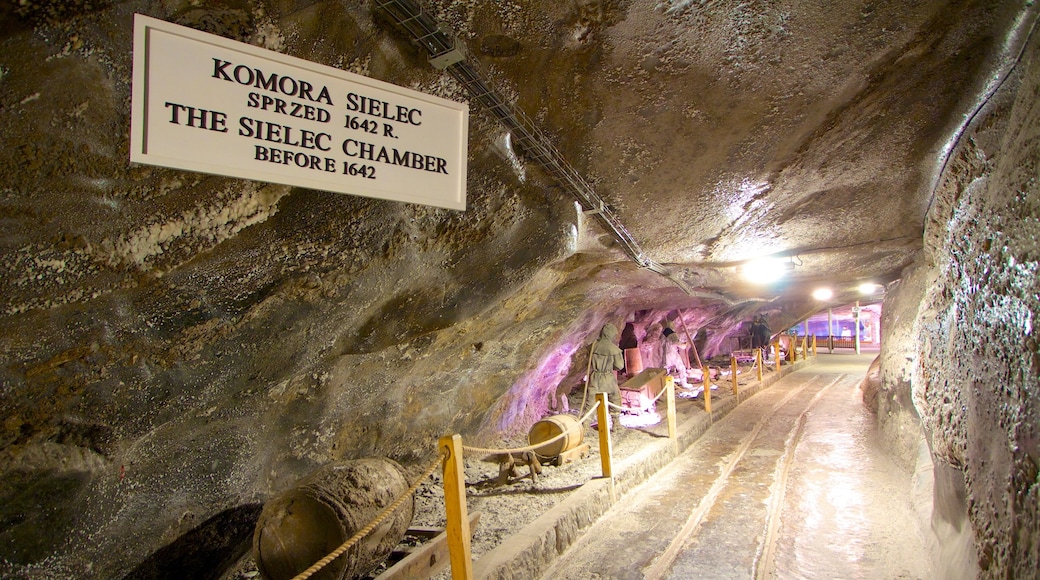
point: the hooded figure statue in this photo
(607, 358)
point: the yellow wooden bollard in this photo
(457, 526)
(805, 347)
(604, 435)
(605, 448)
(733, 368)
(776, 350)
(814, 345)
(669, 396)
(707, 389)
(758, 363)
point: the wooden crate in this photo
(638, 391)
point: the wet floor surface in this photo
(791, 484)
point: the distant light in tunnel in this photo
(766, 270)
(822, 294)
(869, 288)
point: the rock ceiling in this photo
(715, 131)
(722, 131)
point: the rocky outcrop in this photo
(961, 352)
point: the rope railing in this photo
(450, 458)
(454, 484)
(485, 451)
(317, 566)
(645, 407)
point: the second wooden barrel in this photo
(550, 427)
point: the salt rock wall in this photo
(961, 347)
(177, 347)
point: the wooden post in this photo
(602, 418)
(758, 363)
(693, 345)
(814, 346)
(776, 350)
(605, 449)
(733, 368)
(457, 526)
(805, 347)
(830, 330)
(855, 322)
(669, 396)
(707, 389)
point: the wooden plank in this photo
(426, 560)
(424, 532)
(572, 454)
(635, 383)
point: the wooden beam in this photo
(426, 560)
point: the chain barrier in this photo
(314, 569)
(484, 451)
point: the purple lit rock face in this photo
(562, 369)
(537, 393)
(177, 347)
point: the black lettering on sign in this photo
(291, 108)
(294, 158)
(250, 76)
(392, 156)
(284, 134)
(383, 110)
(196, 117)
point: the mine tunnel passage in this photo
(790, 484)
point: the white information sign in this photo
(205, 103)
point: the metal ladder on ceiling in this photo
(447, 53)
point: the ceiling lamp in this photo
(823, 294)
(868, 288)
(766, 270)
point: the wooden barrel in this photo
(549, 428)
(304, 524)
(633, 361)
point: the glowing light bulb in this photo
(869, 288)
(822, 294)
(765, 270)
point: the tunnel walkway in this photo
(790, 484)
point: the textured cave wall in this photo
(177, 347)
(898, 419)
(960, 340)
